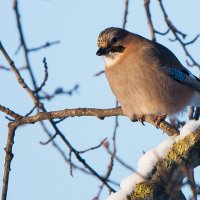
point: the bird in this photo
(145, 76)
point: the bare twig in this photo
(192, 41)
(60, 120)
(99, 192)
(9, 112)
(4, 68)
(18, 49)
(8, 69)
(45, 76)
(152, 30)
(59, 91)
(31, 111)
(162, 33)
(49, 140)
(125, 14)
(176, 34)
(99, 73)
(95, 147)
(70, 163)
(23, 43)
(17, 74)
(47, 44)
(9, 119)
(113, 154)
(119, 159)
(184, 45)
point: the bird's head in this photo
(111, 44)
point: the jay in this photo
(145, 76)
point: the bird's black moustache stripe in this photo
(113, 49)
(119, 49)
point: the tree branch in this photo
(184, 154)
(148, 14)
(78, 112)
(8, 158)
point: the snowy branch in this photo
(172, 158)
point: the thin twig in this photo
(18, 49)
(60, 120)
(95, 147)
(99, 192)
(9, 112)
(45, 77)
(23, 43)
(162, 33)
(31, 111)
(59, 91)
(125, 14)
(192, 41)
(99, 73)
(148, 14)
(120, 160)
(4, 68)
(49, 140)
(176, 34)
(17, 74)
(47, 44)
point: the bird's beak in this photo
(102, 51)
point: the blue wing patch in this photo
(175, 73)
(183, 76)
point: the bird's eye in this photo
(114, 39)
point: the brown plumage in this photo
(146, 77)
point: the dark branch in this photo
(46, 45)
(45, 77)
(148, 14)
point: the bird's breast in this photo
(143, 89)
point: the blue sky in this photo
(39, 172)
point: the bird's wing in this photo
(182, 76)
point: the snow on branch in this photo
(161, 170)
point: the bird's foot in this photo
(141, 119)
(159, 118)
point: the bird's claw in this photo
(141, 119)
(159, 118)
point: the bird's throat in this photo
(111, 58)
